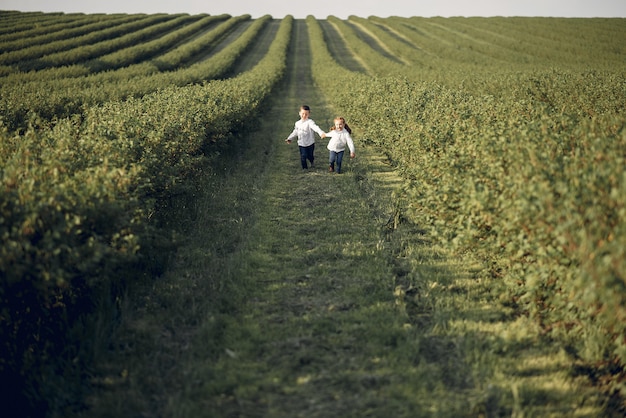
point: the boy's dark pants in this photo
(306, 153)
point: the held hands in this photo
(288, 141)
(352, 155)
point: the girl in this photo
(339, 138)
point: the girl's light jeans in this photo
(336, 157)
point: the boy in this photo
(304, 129)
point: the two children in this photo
(304, 130)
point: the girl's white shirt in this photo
(304, 131)
(339, 140)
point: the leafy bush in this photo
(77, 201)
(529, 178)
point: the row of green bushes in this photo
(466, 52)
(30, 24)
(25, 50)
(53, 99)
(18, 34)
(519, 42)
(23, 59)
(532, 181)
(77, 202)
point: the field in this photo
(164, 254)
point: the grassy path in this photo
(317, 288)
(290, 296)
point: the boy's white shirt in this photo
(339, 140)
(303, 129)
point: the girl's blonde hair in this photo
(345, 125)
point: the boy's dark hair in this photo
(305, 107)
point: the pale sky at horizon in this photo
(321, 9)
